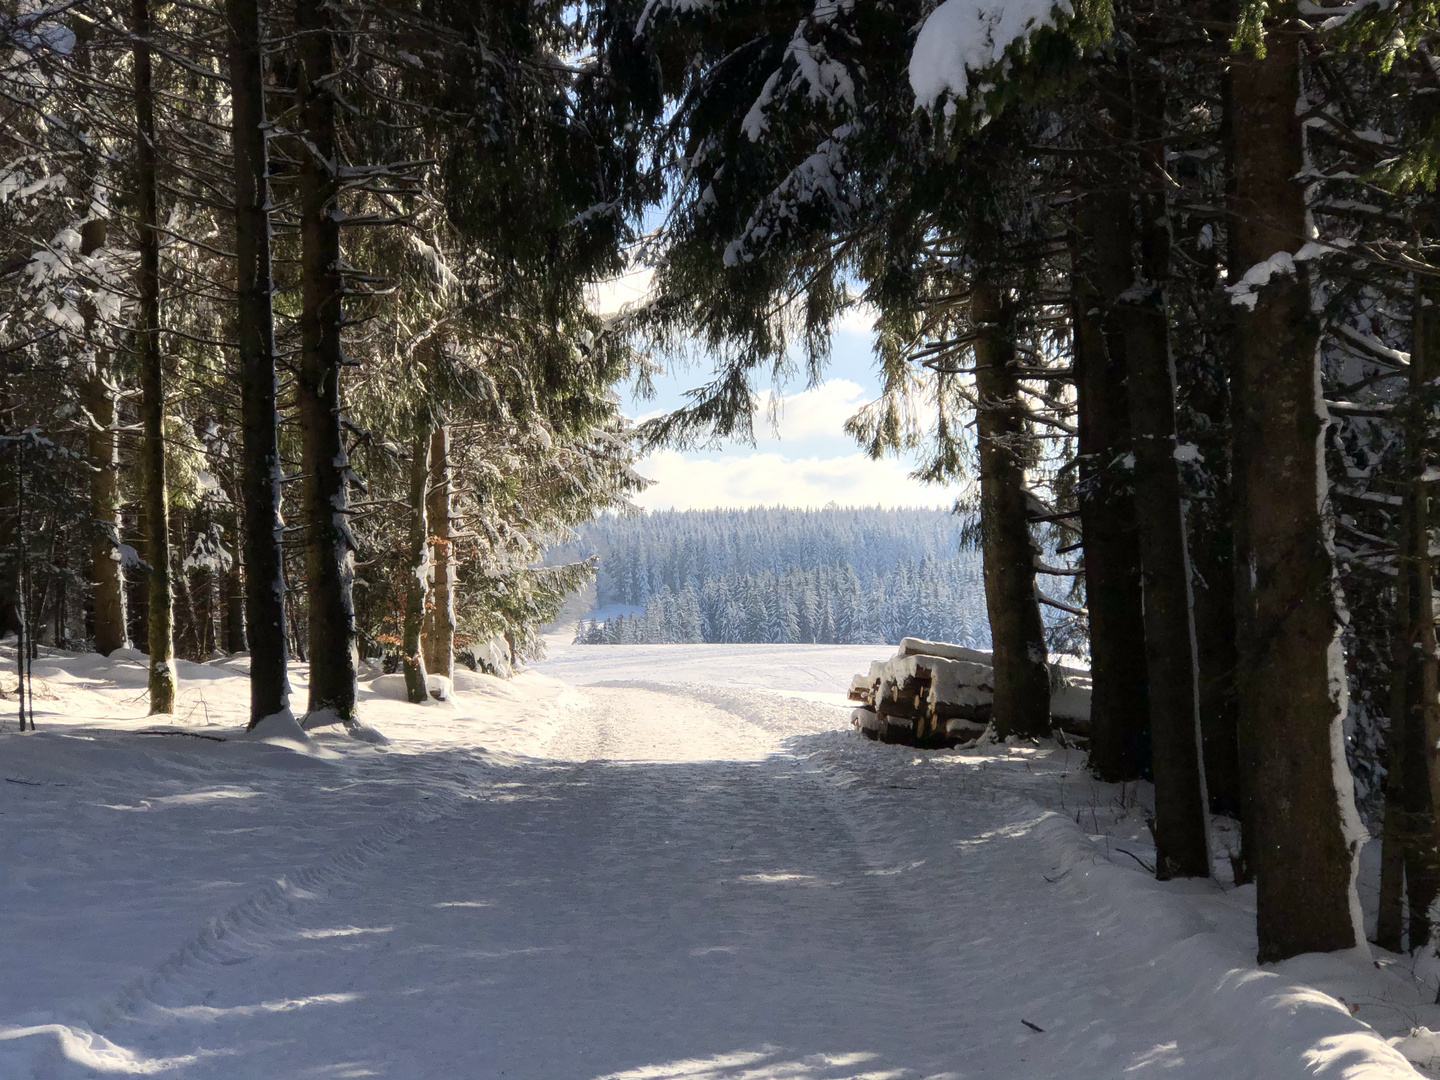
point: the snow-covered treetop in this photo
(964, 36)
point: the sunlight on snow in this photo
(207, 1012)
(100, 1054)
(769, 1063)
(189, 798)
(1165, 1055)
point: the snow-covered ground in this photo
(637, 862)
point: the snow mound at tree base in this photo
(281, 728)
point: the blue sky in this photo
(810, 462)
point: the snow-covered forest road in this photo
(687, 873)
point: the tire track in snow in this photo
(612, 917)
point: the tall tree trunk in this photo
(1210, 528)
(260, 472)
(1212, 582)
(416, 585)
(235, 605)
(160, 615)
(137, 585)
(14, 564)
(440, 628)
(1411, 836)
(1306, 830)
(202, 589)
(1241, 582)
(1022, 676)
(1181, 810)
(1394, 830)
(1210, 521)
(107, 579)
(1119, 702)
(329, 545)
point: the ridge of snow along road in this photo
(672, 864)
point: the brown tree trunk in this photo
(1181, 810)
(1022, 675)
(160, 615)
(203, 611)
(1215, 653)
(1210, 528)
(1411, 835)
(1394, 834)
(416, 584)
(107, 580)
(235, 606)
(1119, 703)
(137, 585)
(440, 623)
(1292, 695)
(1241, 582)
(264, 608)
(329, 545)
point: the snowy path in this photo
(677, 881)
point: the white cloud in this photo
(770, 479)
(858, 319)
(819, 412)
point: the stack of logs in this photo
(934, 694)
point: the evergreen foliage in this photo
(463, 308)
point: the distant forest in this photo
(832, 576)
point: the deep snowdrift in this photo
(669, 865)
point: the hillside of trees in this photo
(832, 576)
(298, 357)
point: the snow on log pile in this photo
(931, 693)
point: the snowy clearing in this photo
(655, 862)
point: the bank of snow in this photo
(643, 861)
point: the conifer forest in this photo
(776, 575)
(304, 385)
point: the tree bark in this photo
(1390, 913)
(440, 624)
(235, 605)
(107, 580)
(1181, 810)
(1119, 703)
(1212, 575)
(1306, 832)
(1411, 836)
(329, 545)
(416, 585)
(160, 615)
(1241, 583)
(137, 586)
(1022, 676)
(260, 472)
